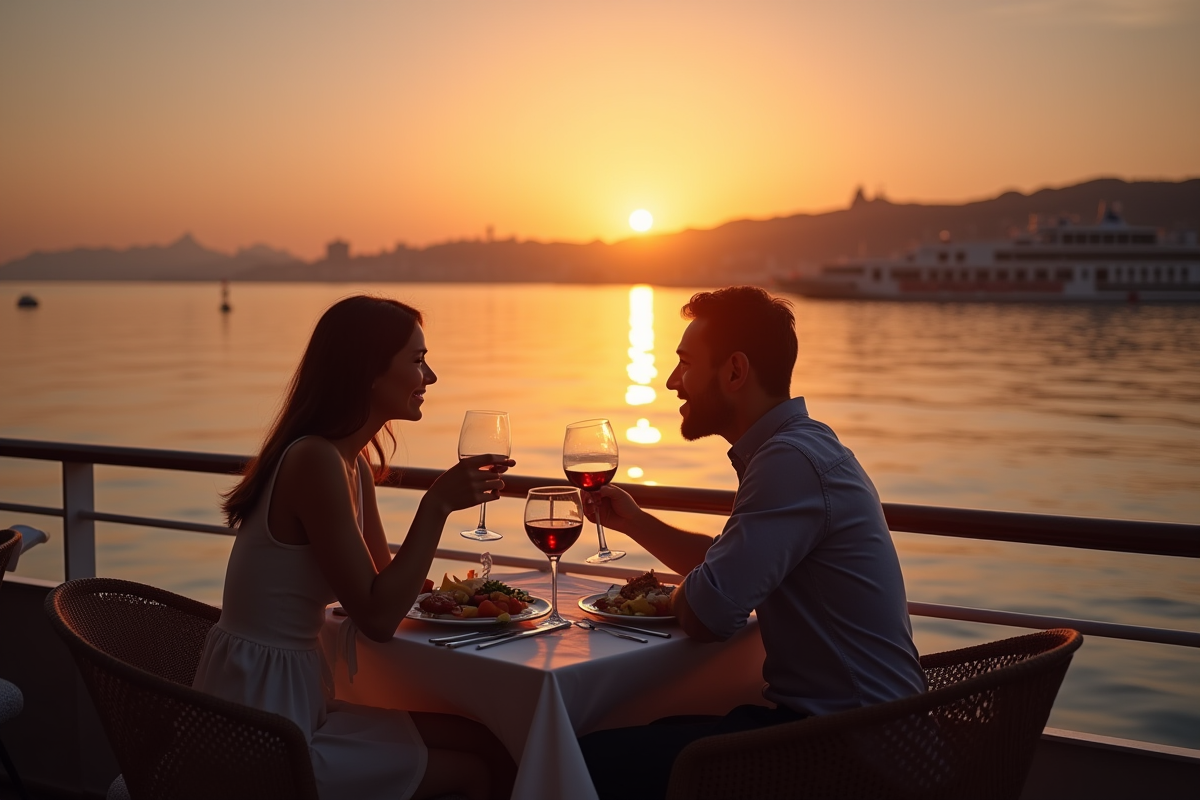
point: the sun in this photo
(641, 220)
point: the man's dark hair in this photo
(749, 320)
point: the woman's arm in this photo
(313, 486)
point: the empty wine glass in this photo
(484, 433)
(553, 522)
(590, 461)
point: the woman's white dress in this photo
(264, 652)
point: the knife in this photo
(457, 636)
(487, 637)
(660, 634)
(534, 632)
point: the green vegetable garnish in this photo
(504, 588)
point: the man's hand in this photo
(687, 619)
(678, 549)
(618, 510)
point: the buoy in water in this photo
(225, 307)
(27, 301)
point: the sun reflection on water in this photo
(641, 369)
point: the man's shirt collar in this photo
(762, 430)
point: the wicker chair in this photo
(11, 699)
(138, 648)
(973, 734)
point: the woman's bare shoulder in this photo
(311, 456)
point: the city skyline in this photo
(297, 124)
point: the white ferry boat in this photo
(1061, 261)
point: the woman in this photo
(309, 533)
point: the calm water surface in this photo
(1092, 411)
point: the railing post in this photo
(79, 532)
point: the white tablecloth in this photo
(539, 694)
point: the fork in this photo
(588, 626)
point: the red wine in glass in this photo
(553, 536)
(590, 476)
(590, 461)
(553, 521)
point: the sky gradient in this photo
(294, 123)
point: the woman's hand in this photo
(470, 482)
(618, 510)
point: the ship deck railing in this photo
(1097, 766)
(79, 517)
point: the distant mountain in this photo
(184, 259)
(879, 227)
(740, 251)
(755, 250)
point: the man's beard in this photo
(708, 413)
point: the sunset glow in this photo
(423, 123)
(641, 220)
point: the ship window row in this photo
(1108, 238)
(974, 275)
(944, 256)
(1120, 274)
(1084, 255)
(1143, 275)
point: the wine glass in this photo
(590, 461)
(484, 432)
(553, 521)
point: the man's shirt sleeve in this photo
(780, 515)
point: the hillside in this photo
(744, 250)
(753, 250)
(184, 259)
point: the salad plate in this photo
(537, 608)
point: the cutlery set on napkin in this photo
(485, 639)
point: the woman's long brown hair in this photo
(330, 394)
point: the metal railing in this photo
(79, 516)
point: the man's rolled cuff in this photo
(711, 606)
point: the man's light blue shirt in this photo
(808, 548)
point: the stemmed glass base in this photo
(605, 555)
(555, 618)
(481, 535)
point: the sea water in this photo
(1081, 410)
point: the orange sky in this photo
(292, 123)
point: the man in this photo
(806, 546)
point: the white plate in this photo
(588, 604)
(537, 608)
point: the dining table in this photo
(538, 694)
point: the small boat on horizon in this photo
(27, 301)
(1056, 261)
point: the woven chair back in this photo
(973, 734)
(137, 649)
(10, 542)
